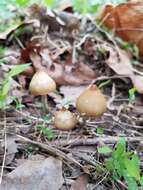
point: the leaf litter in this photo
(75, 58)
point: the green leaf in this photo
(132, 185)
(120, 149)
(47, 119)
(100, 131)
(23, 3)
(132, 167)
(2, 50)
(90, 6)
(5, 89)
(17, 69)
(119, 166)
(3, 93)
(51, 3)
(141, 180)
(46, 131)
(84, 9)
(110, 164)
(132, 95)
(104, 150)
(105, 83)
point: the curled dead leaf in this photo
(129, 25)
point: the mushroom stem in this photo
(45, 104)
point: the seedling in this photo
(18, 104)
(132, 95)
(123, 164)
(105, 83)
(6, 84)
(46, 131)
(100, 131)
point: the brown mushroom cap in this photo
(91, 102)
(65, 120)
(42, 84)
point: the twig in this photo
(100, 181)
(89, 142)
(51, 150)
(5, 148)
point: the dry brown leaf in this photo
(80, 183)
(63, 74)
(121, 64)
(35, 174)
(11, 149)
(119, 61)
(126, 20)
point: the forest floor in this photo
(76, 53)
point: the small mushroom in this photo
(42, 84)
(65, 120)
(91, 102)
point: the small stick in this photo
(90, 142)
(5, 149)
(51, 150)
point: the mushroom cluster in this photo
(91, 102)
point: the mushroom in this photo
(42, 84)
(65, 120)
(91, 102)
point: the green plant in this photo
(91, 6)
(105, 83)
(132, 94)
(18, 104)
(47, 3)
(46, 131)
(130, 47)
(123, 164)
(6, 84)
(43, 128)
(100, 131)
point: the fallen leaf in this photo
(120, 63)
(35, 174)
(63, 73)
(80, 183)
(71, 93)
(129, 25)
(11, 148)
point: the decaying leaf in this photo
(63, 73)
(11, 148)
(80, 183)
(119, 61)
(71, 93)
(126, 20)
(35, 174)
